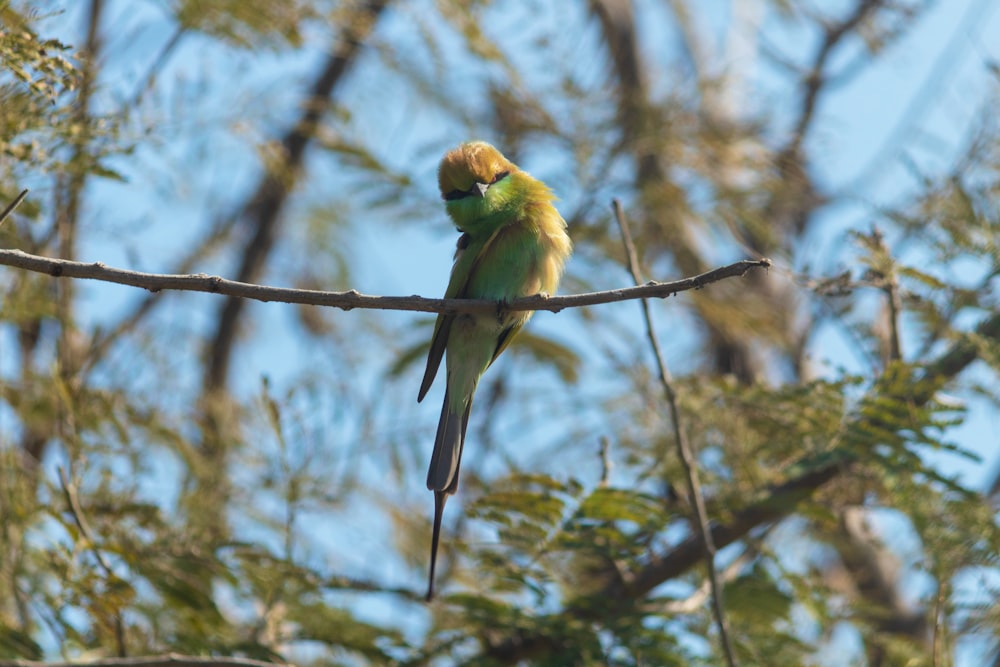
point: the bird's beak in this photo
(479, 189)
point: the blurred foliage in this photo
(280, 514)
(37, 78)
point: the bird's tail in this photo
(442, 476)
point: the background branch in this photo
(262, 213)
(806, 477)
(783, 500)
(815, 79)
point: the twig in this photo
(683, 446)
(69, 191)
(69, 491)
(61, 268)
(11, 206)
(168, 660)
(73, 501)
(895, 310)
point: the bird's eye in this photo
(455, 195)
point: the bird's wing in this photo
(506, 336)
(467, 258)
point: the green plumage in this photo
(514, 244)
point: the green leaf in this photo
(609, 504)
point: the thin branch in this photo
(873, 571)
(168, 660)
(11, 206)
(154, 282)
(73, 501)
(683, 446)
(882, 275)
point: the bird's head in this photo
(476, 184)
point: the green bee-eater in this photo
(513, 244)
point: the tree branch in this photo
(773, 505)
(154, 282)
(262, 213)
(684, 450)
(964, 36)
(693, 602)
(168, 660)
(102, 340)
(778, 503)
(73, 501)
(814, 81)
(783, 500)
(11, 206)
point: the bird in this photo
(513, 244)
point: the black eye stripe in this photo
(455, 195)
